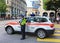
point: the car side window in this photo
(34, 19)
(43, 20)
(28, 19)
(31, 19)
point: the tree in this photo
(44, 4)
(2, 6)
(53, 5)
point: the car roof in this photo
(38, 16)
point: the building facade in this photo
(45, 12)
(34, 8)
(36, 4)
(31, 10)
(15, 7)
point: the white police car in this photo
(41, 26)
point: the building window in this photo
(45, 14)
(11, 10)
(59, 14)
(51, 14)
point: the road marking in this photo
(48, 40)
(56, 35)
(57, 31)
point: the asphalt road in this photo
(15, 38)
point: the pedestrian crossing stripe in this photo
(49, 40)
(57, 31)
(56, 35)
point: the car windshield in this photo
(37, 19)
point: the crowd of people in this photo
(55, 20)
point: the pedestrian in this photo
(23, 24)
(32, 14)
(57, 20)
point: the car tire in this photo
(41, 34)
(9, 30)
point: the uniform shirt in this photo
(23, 21)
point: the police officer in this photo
(23, 24)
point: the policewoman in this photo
(23, 24)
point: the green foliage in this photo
(2, 6)
(53, 5)
(44, 4)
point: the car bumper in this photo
(50, 32)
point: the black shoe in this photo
(22, 38)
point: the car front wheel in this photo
(41, 34)
(9, 30)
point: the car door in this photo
(30, 21)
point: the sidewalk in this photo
(57, 25)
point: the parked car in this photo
(41, 26)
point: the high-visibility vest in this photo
(23, 21)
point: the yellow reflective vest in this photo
(23, 21)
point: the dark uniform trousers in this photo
(23, 31)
